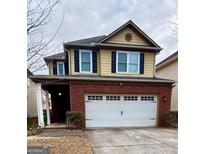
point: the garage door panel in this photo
(120, 123)
(118, 112)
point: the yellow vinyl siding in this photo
(72, 69)
(137, 38)
(50, 66)
(105, 66)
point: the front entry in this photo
(60, 103)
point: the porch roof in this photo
(42, 78)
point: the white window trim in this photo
(91, 62)
(58, 68)
(127, 72)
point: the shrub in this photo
(31, 124)
(75, 120)
(32, 127)
(171, 119)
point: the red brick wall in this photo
(78, 90)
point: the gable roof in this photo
(98, 41)
(135, 27)
(173, 57)
(58, 56)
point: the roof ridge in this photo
(87, 38)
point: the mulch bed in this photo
(62, 145)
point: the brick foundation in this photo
(79, 89)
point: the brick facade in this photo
(79, 89)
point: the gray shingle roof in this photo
(39, 78)
(58, 56)
(90, 40)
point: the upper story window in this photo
(86, 61)
(128, 62)
(60, 68)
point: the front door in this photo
(60, 103)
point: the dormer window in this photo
(60, 68)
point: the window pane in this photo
(85, 56)
(60, 71)
(122, 67)
(133, 58)
(60, 68)
(122, 58)
(133, 68)
(86, 67)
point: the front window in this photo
(122, 62)
(128, 62)
(85, 61)
(60, 68)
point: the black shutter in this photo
(54, 68)
(141, 63)
(113, 62)
(94, 60)
(76, 57)
(66, 65)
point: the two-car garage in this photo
(120, 110)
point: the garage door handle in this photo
(121, 112)
(152, 118)
(88, 119)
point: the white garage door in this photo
(120, 110)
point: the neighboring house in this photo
(32, 99)
(168, 69)
(109, 78)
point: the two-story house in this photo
(109, 78)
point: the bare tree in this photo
(39, 43)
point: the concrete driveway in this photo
(133, 141)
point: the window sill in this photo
(126, 73)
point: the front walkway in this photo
(134, 141)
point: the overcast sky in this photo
(88, 18)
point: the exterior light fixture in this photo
(59, 94)
(164, 98)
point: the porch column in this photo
(47, 109)
(39, 105)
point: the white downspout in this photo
(39, 105)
